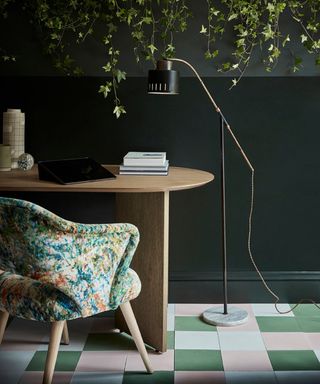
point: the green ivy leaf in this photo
(226, 66)
(137, 35)
(107, 67)
(232, 16)
(119, 110)
(152, 48)
(268, 32)
(105, 89)
(270, 7)
(203, 29)
(170, 49)
(303, 38)
(146, 20)
(120, 75)
(78, 71)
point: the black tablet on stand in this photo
(70, 171)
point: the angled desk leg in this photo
(150, 213)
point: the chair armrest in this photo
(34, 300)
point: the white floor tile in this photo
(170, 321)
(14, 360)
(77, 342)
(171, 308)
(97, 378)
(196, 340)
(260, 377)
(270, 310)
(241, 341)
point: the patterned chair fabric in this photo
(56, 269)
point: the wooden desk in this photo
(143, 201)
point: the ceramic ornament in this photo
(25, 161)
(13, 133)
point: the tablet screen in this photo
(69, 171)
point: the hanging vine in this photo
(252, 24)
(256, 24)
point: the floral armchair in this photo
(55, 270)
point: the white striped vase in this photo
(13, 133)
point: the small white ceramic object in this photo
(25, 161)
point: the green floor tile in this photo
(170, 340)
(158, 377)
(306, 310)
(66, 361)
(109, 342)
(198, 360)
(192, 323)
(309, 324)
(294, 361)
(277, 324)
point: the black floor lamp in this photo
(165, 81)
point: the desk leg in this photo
(150, 213)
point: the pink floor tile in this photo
(201, 377)
(246, 361)
(314, 340)
(159, 361)
(18, 345)
(246, 306)
(23, 337)
(192, 309)
(102, 361)
(198, 309)
(285, 340)
(36, 378)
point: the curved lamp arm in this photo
(218, 110)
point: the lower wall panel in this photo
(246, 287)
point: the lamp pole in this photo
(223, 220)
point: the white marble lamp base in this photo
(235, 316)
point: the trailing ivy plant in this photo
(63, 23)
(257, 23)
(152, 24)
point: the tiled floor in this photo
(268, 349)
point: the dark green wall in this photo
(276, 121)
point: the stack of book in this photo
(145, 163)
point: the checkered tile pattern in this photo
(268, 349)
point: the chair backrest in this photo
(81, 260)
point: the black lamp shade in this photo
(163, 80)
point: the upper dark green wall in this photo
(20, 38)
(274, 117)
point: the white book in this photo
(145, 167)
(144, 173)
(144, 158)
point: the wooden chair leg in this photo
(4, 316)
(65, 335)
(135, 333)
(55, 338)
